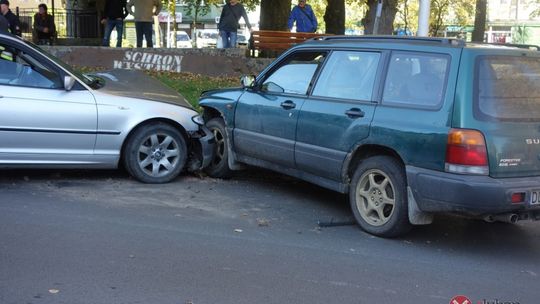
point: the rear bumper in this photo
(436, 191)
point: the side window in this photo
(507, 88)
(9, 69)
(349, 75)
(416, 79)
(20, 69)
(294, 75)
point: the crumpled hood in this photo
(136, 84)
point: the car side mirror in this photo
(247, 81)
(69, 82)
(272, 87)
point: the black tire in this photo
(378, 197)
(219, 167)
(155, 153)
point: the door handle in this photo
(355, 113)
(288, 104)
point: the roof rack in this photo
(441, 40)
(517, 45)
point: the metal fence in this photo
(69, 23)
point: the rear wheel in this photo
(155, 153)
(219, 167)
(378, 197)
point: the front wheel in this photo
(155, 153)
(219, 167)
(378, 197)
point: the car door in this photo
(266, 116)
(338, 113)
(41, 122)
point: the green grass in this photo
(191, 86)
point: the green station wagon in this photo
(408, 127)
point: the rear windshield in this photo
(507, 88)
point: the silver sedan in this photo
(54, 117)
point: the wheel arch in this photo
(209, 113)
(363, 152)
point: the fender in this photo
(223, 101)
(370, 147)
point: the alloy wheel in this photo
(375, 197)
(158, 155)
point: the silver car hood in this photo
(136, 84)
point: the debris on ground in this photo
(335, 223)
(262, 222)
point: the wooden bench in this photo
(276, 41)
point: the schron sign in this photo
(136, 60)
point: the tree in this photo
(196, 8)
(274, 14)
(535, 13)
(480, 21)
(463, 12)
(386, 22)
(404, 13)
(171, 7)
(439, 9)
(334, 17)
(407, 15)
(520, 34)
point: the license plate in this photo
(535, 197)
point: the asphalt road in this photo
(99, 237)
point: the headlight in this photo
(198, 120)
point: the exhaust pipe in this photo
(511, 218)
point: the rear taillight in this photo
(466, 152)
(518, 197)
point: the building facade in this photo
(513, 21)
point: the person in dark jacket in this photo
(13, 20)
(228, 22)
(44, 28)
(4, 24)
(113, 17)
(304, 17)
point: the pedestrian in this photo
(304, 17)
(44, 29)
(13, 20)
(229, 23)
(4, 24)
(113, 18)
(144, 13)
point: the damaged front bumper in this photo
(203, 147)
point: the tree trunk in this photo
(386, 23)
(480, 21)
(275, 14)
(334, 17)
